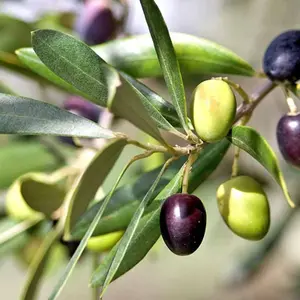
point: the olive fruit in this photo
(183, 223)
(281, 61)
(96, 23)
(103, 243)
(244, 207)
(213, 109)
(288, 138)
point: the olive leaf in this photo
(148, 230)
(19, 115)
(77, 64)
(36, 268)
(254, 144)
(130, 231)
(167, 58)
(86, 186)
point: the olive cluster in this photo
(241, 200)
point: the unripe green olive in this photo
(213, 109)
(105, 242)
(244, 207)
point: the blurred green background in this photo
(216, 270)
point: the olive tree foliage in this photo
(129, 220)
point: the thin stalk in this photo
(188, 166)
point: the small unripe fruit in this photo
(213, 110)
(183, 223)
(288, 138)
(282, 58)
(244, 207)
(96, 23)
(103, 243)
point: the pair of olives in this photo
(241, 201)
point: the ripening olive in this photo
(281, 61)
(103, 243)
(244, 207)
(213, 109)
(183, 223)
(288, 138)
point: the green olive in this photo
(213, 110)
(244, 207)
(103, 243)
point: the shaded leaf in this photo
(36, 269)
(153, 103)
(77, 64)
(18, 158)
(86, 186)
(123, 203)
(19, 115)
(254, 144)
(167, 58)
(129, 233)
(148, 230)
(41, 193)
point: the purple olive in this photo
(183, 223)
(282, 58)
(83, 108)
(96, 23)
(288, 138)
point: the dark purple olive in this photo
(96, 23)
(182, 223)
(83, 108)
(288, 138)
(282, 58)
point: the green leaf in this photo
(19, 115)
(18, 158)
(41, 193)
(148, 230)
(72, 263)
(86, 186)
(167, 58)
(123, 203)
(130, 231)
(254, 144)
(14, 234)
(14, 33)
(5, 89)
(77, 64)
(36, 269)
(153, 103)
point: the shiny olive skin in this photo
(281, 61)
(213, 110)
(183, 223)
(288, 138)
(244, 207)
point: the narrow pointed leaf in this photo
(19, 115)
(73, 261)
(88, 183)
(36, 269)
(254, 144)
(123, 203)
(153, 103)
(129, 233)
(167, 58)
(148, 230)
(77, 64)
